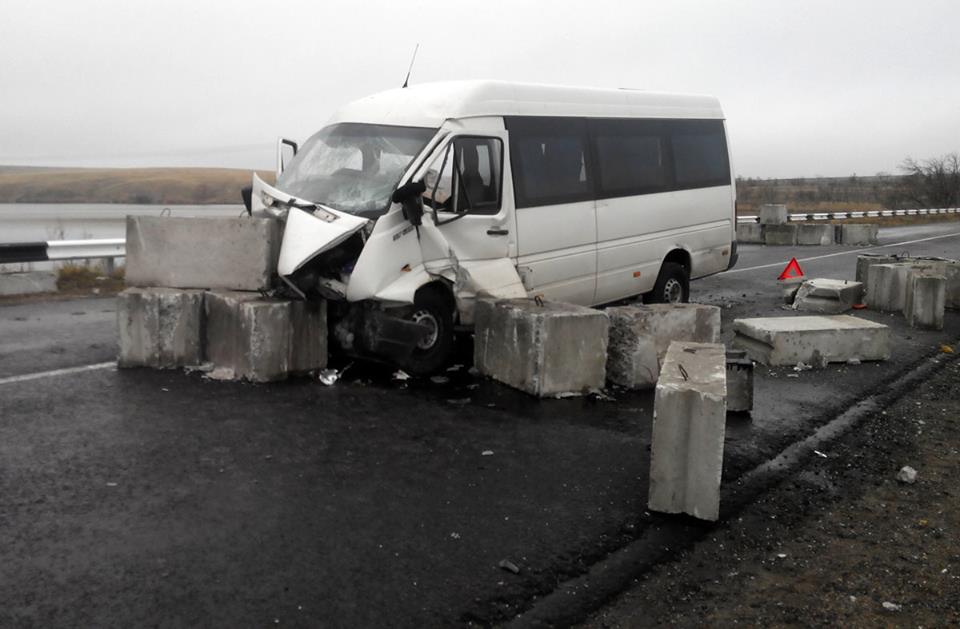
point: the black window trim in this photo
(592, 163)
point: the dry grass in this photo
(79, 278)
(124, 185)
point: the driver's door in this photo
(466, 200)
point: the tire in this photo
(672, 287)
(431, 307)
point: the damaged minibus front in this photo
(399, 228)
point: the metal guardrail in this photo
(826, 216)
(62, 250)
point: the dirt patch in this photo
(842, 543)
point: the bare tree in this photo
(934, 182)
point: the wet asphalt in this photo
(158, 498)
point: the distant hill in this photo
(174, 186)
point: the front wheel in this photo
(434, 351)
(672, 287)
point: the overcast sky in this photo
(809, 87)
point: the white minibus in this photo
(412, 203)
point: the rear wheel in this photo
(672, 287)
(431, 309)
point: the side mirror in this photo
(408, 196)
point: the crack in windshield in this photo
(353, 167)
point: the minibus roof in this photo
(430, 104)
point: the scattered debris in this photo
(802, 366)
(600, 396)
(455, 368)
(820, 454)
(487, 453)
(111, 484)
(459, 401)
(907, 475)
(202, 368)
(439, 379)
(781, 555)
(455, 535)
(853, 361)
(891, 607)
(946, 349)
(509, 566)
(401, 375)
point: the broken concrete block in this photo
(814, 340)
(689, 421)
(864, 234)
(828, 296)
(926, 300)
(552, 349)
(640, 336)
(262, 340)
(812, 234)
(780, 235)
(750, 233)
(773, 214)
(867, 260)
(789, 288)
(218, 253)
(739, 381)
(160, 327)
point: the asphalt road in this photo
(137, 497)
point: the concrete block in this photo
(887, 287)
(750, 233)
(865, 261)
(814, 340)
(28, 283)
(739, 381)
(772, 214)
(640, 336)
(217, 253)
(863, 234)
(828, 296)
(950, 270)
(811, 234)
(546, 350)
(689, 421)
(780, 235)
(926, 300)
(789, 288)
(262, 340)
(160, 327)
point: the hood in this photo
(308, 232)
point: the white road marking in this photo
(844, 253)
(56, 372)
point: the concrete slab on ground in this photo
(828, 296)
(813, 340)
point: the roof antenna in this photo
(410, 69)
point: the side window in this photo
(549, 159)
(631, 156)
(700, 157)
(467, 177)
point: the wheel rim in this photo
(673, 291)
(426, 318)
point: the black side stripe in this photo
(23, 252)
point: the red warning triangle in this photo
(793, 270)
